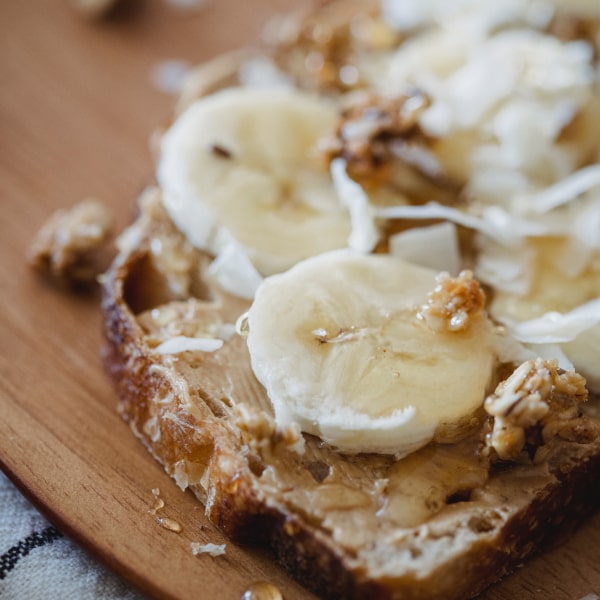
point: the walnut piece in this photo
(66, 244)
(454, 303)
(371, 130)
(537, 403)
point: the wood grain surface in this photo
(77, 108)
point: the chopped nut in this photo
(454, 303)
(536, 404)
(66, 244)
(368, 129)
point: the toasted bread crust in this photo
(184, 416)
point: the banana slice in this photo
(339, 346)
(243, 163)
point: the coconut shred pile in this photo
(515, 118)
(468, 138)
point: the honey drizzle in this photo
(262, 590)
(164, 522)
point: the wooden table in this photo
(77, 108)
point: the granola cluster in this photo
(321, 51)
(66, 245)
(536, 404)
(374, 130)
(454, 303)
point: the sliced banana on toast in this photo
(243, 164)
(343, 345)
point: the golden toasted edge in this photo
(233, 499)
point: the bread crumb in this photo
(212, 549)
(66, 245)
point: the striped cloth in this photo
(38, 563)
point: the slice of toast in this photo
(441, 523)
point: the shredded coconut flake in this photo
(409, 14)
(234, 272)
(512, 121)
(418, 156)
(555, 327)
(566, 190)
(225, 331)
(364, 235)
(181, 343)
(495, 222)
(435, 247)
(505, 268)
(553, 352)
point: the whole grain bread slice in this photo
(439, 524)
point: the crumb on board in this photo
(211, 549)
(67, 245)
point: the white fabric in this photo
(53, 566)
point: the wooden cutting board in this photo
(77, 108)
